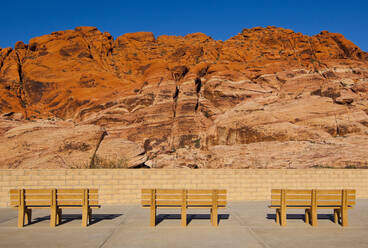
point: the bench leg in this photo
(214, 218)
(183, 216)
(344, 217)
(307, 216)
(84, 217)
(59, 213)
(313, 217)
(28, 213)
(277, 216)
(153, 216)
(21, 213)
(53, 211)
(336, 216)
(283, 217)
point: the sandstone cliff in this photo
(265, 98)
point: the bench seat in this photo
(54, 199)
(312, 200)
(183, 199)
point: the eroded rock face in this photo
(60, 144)
(47, 144)
(265, 98)
(119, 153)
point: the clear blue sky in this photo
(22, 20)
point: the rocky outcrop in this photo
(341, 152)
(119, 153)
(59, 144)
(267, 97)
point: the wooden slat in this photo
(37, 202)
(275, 191)
(290, 207)
(168, 191)
(292, 202)
(205, 202)
(147, 197)
(37, 197)
(69, 197)
(93, 197)
(178, 191)
(292, 197)
(92, 202)
(329, 202)
(37, 191)
(324, 203)
(70, 191)
(163, 202)
(178, 203)
(146, 202)
(298, 191)
(298, 197)
(275, 197)
(93, 191)
(168, 197)
(67, 202)
(205, 197)
(14, 197)
(328, 197)
(329, 191)
(333, 207)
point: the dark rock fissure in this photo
(198, 86)
(97, 146)
(175, 97)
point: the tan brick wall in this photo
(122, 186)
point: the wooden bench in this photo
(312, 200)
(55, 199)
(183, 199)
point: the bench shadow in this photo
(302, 217)
(70, 217)
(190, 217)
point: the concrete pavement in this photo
(242, 224)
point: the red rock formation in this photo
(184, 99)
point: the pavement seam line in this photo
(238, 217)
(244, 224)
(115, 228)
(256, 237)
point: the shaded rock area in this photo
(265, 98)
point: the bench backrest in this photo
(335, 197)
(293, 197)
(49, 197)
(76, 197)
(182, 197)
(31, 197)
(320, 197)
